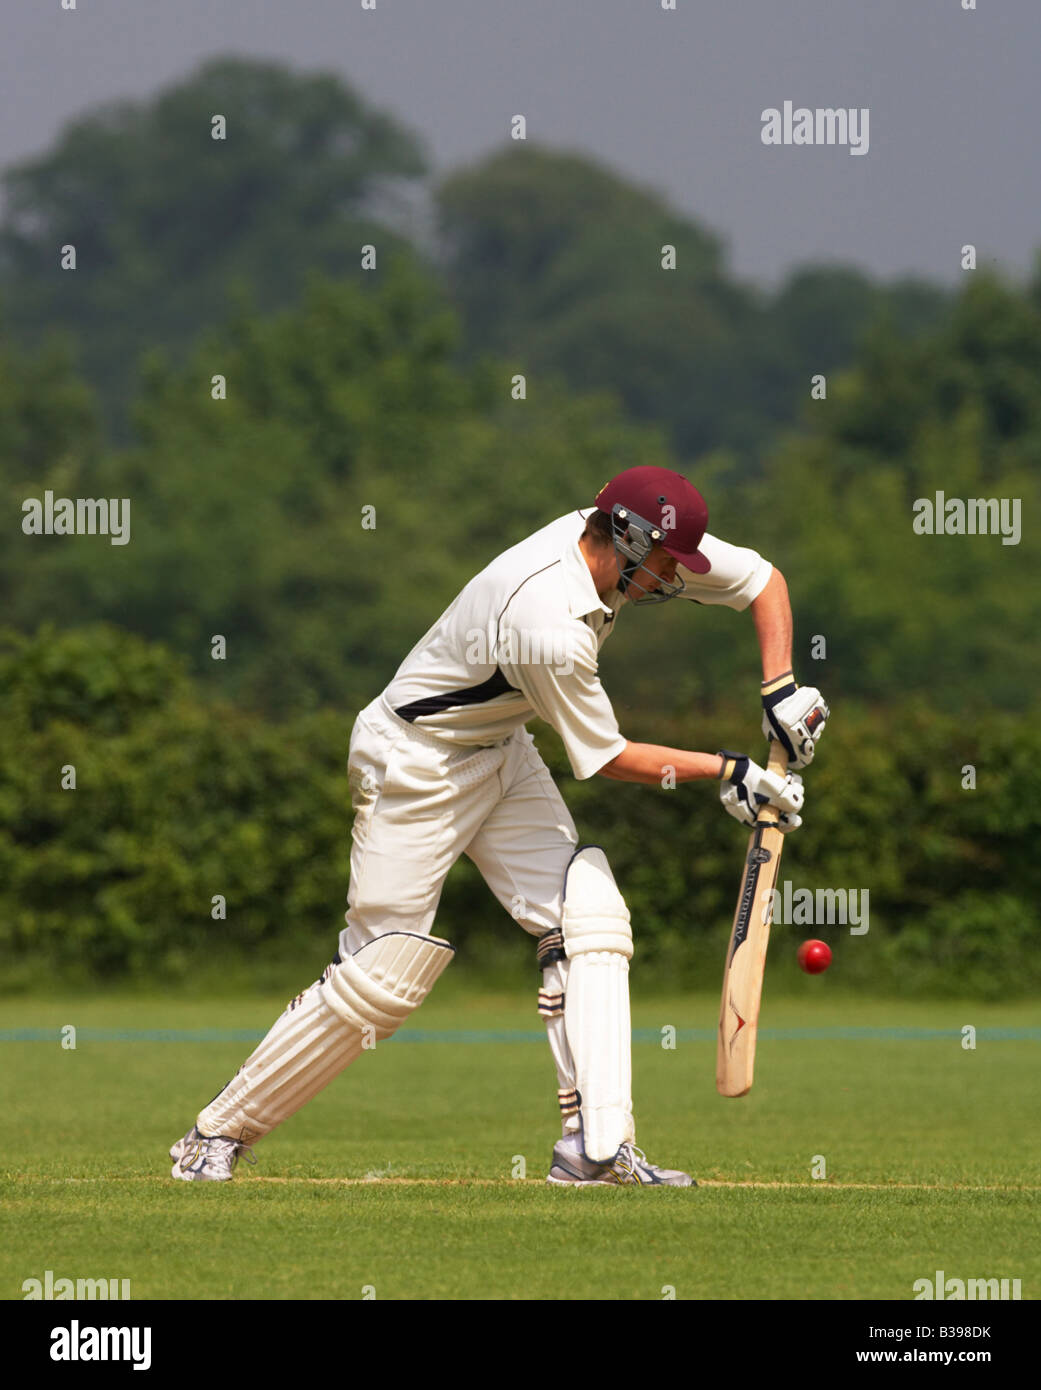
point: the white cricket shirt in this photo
(523, 639)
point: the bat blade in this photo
(746, 953)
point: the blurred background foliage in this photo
(391, 390)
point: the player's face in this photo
(661, 565)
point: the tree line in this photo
(368, 453)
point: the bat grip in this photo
(777, 762)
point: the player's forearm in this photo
(651, 763)
(772, 613)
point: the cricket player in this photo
(441, 764)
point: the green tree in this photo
(249, 518)
(49, 434)
(955, 411)
(164, 219)
(554, 262)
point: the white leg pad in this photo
(599, 944)
(356, 1003)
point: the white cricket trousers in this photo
(420, 802)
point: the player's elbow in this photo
(616, 768)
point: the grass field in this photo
(398, 1178)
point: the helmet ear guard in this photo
(634, 539)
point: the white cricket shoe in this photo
(201, 1159)
(630, 1166)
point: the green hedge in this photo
(179, 797)
(176, 800)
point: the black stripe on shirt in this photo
(496, 684)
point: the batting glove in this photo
(795, 715)
(746, 787)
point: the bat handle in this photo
(777, 762)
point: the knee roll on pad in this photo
(595, 916)
(385, 980)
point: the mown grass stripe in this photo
(480, 1035)
(388, 1180)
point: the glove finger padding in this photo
(746, 787)
(795, 716)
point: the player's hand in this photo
(795, 715)
(746, 787)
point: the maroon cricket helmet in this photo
(665, 501)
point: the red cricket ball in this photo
(814, 956)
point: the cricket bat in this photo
(746, 954)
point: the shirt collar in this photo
(578, 583)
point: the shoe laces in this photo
(626, 1161)
(221, 1144)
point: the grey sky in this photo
(671, 100)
